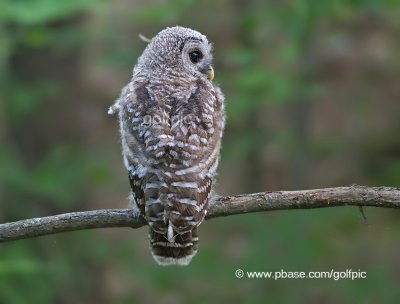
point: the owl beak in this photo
(210, 73)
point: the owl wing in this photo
(209, 132)
(146, 142)
(126, 106)
(203, 197)
(137, 191)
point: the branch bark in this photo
(223, 206)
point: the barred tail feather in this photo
(179, 252)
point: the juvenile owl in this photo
(171, 119)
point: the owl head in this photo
(177, 51)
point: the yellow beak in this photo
(210, 73)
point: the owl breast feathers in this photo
(171, 119)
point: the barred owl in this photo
(171, 119)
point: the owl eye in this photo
(195, 56)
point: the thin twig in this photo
(223, 206)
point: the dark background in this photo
(312, 96)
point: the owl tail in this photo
(177, 251)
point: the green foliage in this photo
(281, 66)
(36, 12)
(167, 12)
(26, 99)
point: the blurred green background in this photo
(313, 100)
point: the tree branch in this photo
(223, 206)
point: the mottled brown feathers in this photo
(171, 124)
